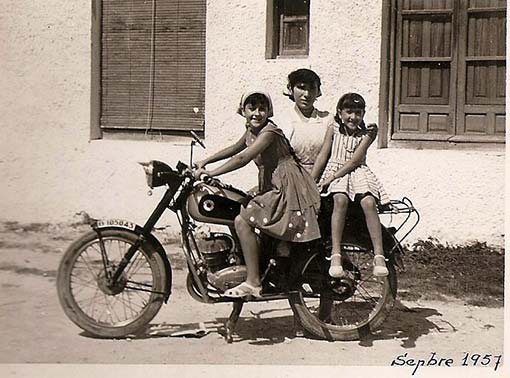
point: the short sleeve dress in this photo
(359, 181)
(289, 200)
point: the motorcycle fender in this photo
(158, 247)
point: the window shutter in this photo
(153, 64)
(294, 21)
(294, 35)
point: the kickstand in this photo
(298, 327)
(230, 326)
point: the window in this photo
(148, 66)
(288, 28)
(446, 79)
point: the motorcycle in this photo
(113, 280)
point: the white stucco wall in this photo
(50, 170)
(341, 51)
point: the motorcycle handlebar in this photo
(197, 139)
(209, 180)
(205, 178)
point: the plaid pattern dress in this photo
(359, 181)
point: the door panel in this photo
(450, 70)
(482, 66)
(424, 69)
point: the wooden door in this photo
(449, 70)
(482, 70)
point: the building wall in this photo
(50, 170)
(341, 51)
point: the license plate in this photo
(116, 223)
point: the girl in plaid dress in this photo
(347, 177)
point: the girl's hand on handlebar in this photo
(198, 173)
(199, 165)
(253, 191)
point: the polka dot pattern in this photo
(289, 201)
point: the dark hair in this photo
(303, 75)
(350, 101)
(257, 99)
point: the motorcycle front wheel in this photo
(349, 308)
(103, 309)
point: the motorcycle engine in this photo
(217, 250)
(228, 278)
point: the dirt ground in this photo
(34, 328)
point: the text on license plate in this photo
(116, 223)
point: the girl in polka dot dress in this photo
(348, 178)
(288, 201)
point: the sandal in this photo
(336, 270)
(243, 290)
(380, 270)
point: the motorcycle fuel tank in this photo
(213, 204)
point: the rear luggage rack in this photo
(403, 206)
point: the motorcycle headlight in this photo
(149, 171)
(158, 173)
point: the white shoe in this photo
(380, 270)
(336, 270)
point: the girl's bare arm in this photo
(224, 153)
(243, 158)
(323, 155)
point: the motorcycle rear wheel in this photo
(334, 314)
(110, 312)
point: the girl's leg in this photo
(341, 202)
(251, 252)
(369, 207)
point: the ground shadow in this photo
(155, 330)
(406, 324)
(263, 331)
(259, 331)
(267, 330)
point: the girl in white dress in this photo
(348, 178)
(304, 124)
